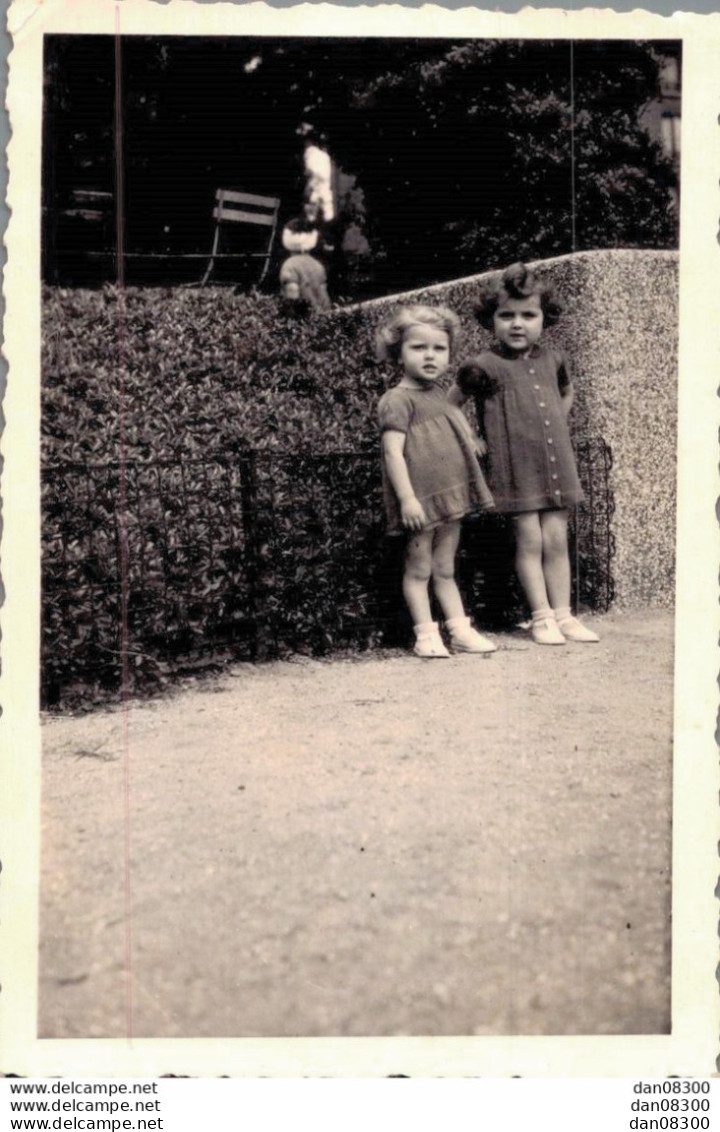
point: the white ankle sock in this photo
(425, 627)
(542, 614)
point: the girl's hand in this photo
(412, 514)
(481, 446)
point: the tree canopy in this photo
(466, 154)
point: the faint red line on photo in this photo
(122, 522)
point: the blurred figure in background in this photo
(303, 278)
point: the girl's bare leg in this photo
(416, 579)
(529, 559)
(556, 558)
(444, 551)
(557, 575)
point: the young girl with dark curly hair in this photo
(431, 473)
(523, 393)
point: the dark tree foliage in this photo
(474, 154)
(468, 154)
(191, 123)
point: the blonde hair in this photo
(389, 337)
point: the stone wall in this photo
(620, 331)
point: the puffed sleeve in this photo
(394, 411)
(474, 381)
(564, 371)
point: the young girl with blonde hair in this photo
(431, 473)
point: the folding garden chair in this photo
(243, 208)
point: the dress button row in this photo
(550, 440)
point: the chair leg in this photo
(208, 269)
(211, 263)
(268, 253)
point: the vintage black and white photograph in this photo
(358, 459)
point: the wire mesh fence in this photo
(155, 568)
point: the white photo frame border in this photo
(692, 1046)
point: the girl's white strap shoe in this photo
(544, 629)
(428, 642)
(463, 638)
(574, 630)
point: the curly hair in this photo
(518, 282)
(389, 337)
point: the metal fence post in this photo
(254, 527)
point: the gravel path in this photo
(370, 846)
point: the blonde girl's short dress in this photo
(530, 461)
(439, 452)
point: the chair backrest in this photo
(246, 208)
(90, 204)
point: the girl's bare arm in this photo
(456, 396)
(411, 511)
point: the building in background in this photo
(661, 117)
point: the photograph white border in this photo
(692, 1046)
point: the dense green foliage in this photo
(237, 540)
(202, 370)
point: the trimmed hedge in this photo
(231, 549)
(189, 381)
(202, 370)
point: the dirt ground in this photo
(369, 846)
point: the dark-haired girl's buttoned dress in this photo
(530, 460)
